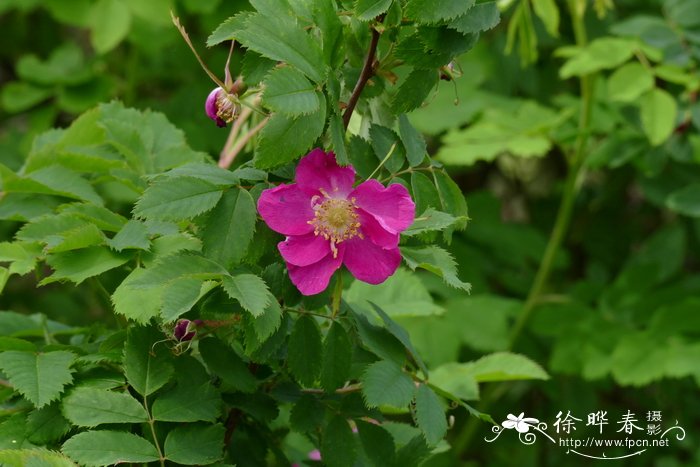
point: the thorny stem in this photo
(304, 312)
(561, 226)
(365, 75)
(228, 159)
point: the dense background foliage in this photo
(571, 128)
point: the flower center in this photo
(336, 219)
(226, 107)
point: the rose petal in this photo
(319, 170)
(372, 229)
(391, 206)
(314, 278)
(369, 262)
(303, 250)
(286, 209)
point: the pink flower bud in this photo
(185, 330)
(220, 106)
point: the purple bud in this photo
(185, 330)
(220, 107)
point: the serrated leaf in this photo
(90, 407)
(65, 182)
(76, 266)
(281, 39)
(228, 29)
(366, 10)
(106, 447)
(428, 11)
(137, 302)
(177, 266)
(22, 255)
(195, 444)
(147, 363)
(193, 399)
(224, 362)
(46, 425)
(658, 112)
(452, 198)
(180, 295)
(414, 90)
(39, 377)
(250, 291)
(267, 323)
(480, 17)
(304, 354)
(430, 221)
(456, 379)
(307, 414)
(377, 443)
(207, 172)
(81, 237)
(177, 199)
(600, 54)
(430, 416)
(337, 358)
(337, 132)
(290, 92)
(338, 443)
(384, 383)
(230, 227)
(285, 138)
(413, 141)
(436, 260)
(35, 457)
(134, 235)
(385, 142)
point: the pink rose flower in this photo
(220, 107)
(329, 223)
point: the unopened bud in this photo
(185, 330)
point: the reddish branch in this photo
(365, 75)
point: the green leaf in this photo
(548, 12)
(90, 407)
(39, 377)
(147, 363)
(384, 383)
(249, 290)
(195, 444)
(281, 39)
(228, 29)
(109, 23)
(629, 82)
(18, 96)
(288, 91)
(230, 227)
(402, 294)
(81, 237)
(430, 416)
(177, 199)
(106, 447)
(35, 457)
(22, 255)
(428, 11)
(224, 362)
(600, 54)
(76, 266)
(46, 425)
(452, 198)
(337, 358)
(307, 414)
(59, 180)
(304, 354)
(414, 90)
(385, 142)
(430, 221)
(338, 444)
(134, 235)
(379, 340)
(456, 379)
(377, 443)
(366, 10)
(285, 138)
(337, 132)
(480, 17)
(180, 295)
(137, 303)
(686, 200)
(204, 171)
(658, 112)
(413, 141)
(193, 399)
(403, 337)
(436, 260)
(505, 366)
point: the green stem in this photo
(151, 424)
(561, 226)
(337, 295)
